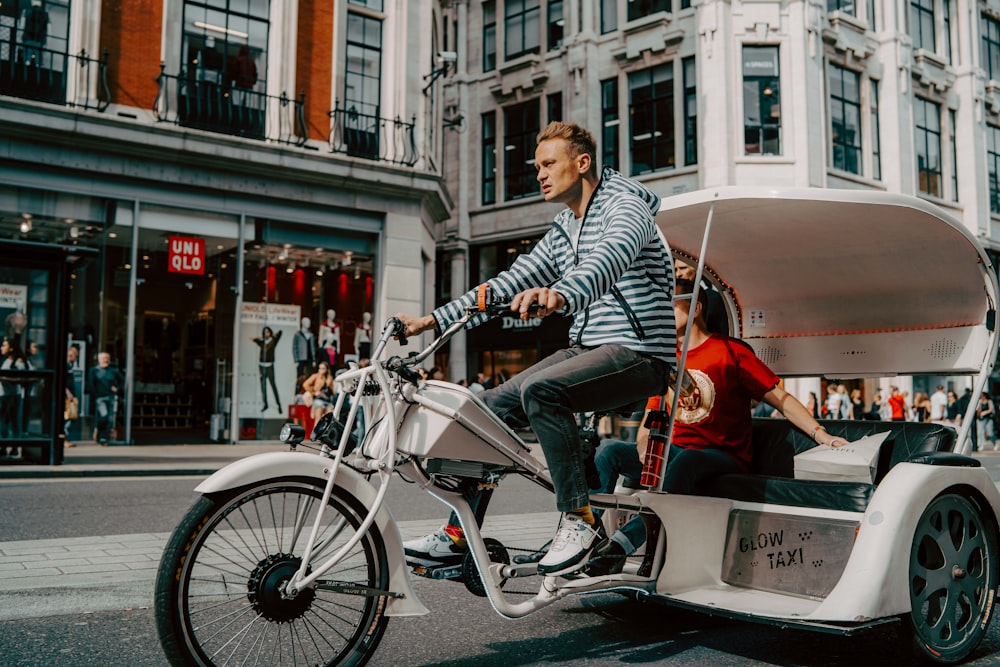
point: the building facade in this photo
(208, 170)
(898, 96)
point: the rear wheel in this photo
(952, 577)
(219, 588)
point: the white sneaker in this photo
(435, 549)
(571, 547)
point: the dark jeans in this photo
(105, 408)
(546, 396)
(686, 469)
(267, 374)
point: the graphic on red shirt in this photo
(727, 375)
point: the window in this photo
(611, 121)
(651, 106)
(489, 36)
(554, 107)
(954, 154)
(845, 6)
(556, 23)
(761, 101)
(215, 34)
(922, 24)
(363, 85)
(871, 15)
(489, 153)
(370, 4)
(845, 118)
(947, 30)
(362, 81)
(609, 16)
(640, 8)
(993, 165)
(991, 48)
(927, 117)
(522, 27)
(690, 111)
(520, 123)
(876, 133)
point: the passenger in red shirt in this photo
(712, 432)
(898, 404)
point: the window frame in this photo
(689, 75)
(993, 166)
(659, 104)
(840, 99)
(610, 124)
(762, 83)
(524, 17)
(488, 161)
(927, 174)
(923, 18)
(990, 47)
(519, 149)
(489, 36)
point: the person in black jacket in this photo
(267, 341)
(102, 383)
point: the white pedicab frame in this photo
(820, 282)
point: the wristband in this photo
(816, 431)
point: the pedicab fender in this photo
(874, 582)
(276, 465)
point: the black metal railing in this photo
(192, 100)
(372, 137)
(45, 75)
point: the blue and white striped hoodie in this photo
(618, 283)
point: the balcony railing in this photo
(372, 137)
(45, 75)
(193, 99)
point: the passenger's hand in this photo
(831, 440)
(548, 300)
(416, 325)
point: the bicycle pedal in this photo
(438, 572)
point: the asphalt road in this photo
(605, 629)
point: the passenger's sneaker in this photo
(438, 548)
(574, 541)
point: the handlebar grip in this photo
(398, 330)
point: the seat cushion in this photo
(847, 496)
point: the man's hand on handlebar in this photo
(548, 301)
(416, 325)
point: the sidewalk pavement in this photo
(91, 460)
(75, 575)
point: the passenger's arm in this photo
(796, 413)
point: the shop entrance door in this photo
(185, 307)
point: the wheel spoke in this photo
(952, 568)
(233, 565)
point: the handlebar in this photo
(487, 302)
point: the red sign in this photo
(187, 255)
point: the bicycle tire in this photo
(217, 601)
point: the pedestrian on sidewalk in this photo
(103, 382)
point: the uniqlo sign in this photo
(187, 255)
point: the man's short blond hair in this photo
(580, 140)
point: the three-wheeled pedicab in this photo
(291, 557)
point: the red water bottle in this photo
(656, 449)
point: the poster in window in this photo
(267, 380)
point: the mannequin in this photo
(304, 349)
(329, 337)
(364, 336)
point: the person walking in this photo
(103, 382)
(984, 423)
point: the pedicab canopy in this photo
(842, 283)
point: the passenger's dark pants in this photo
(546, 396)
(686, 469)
